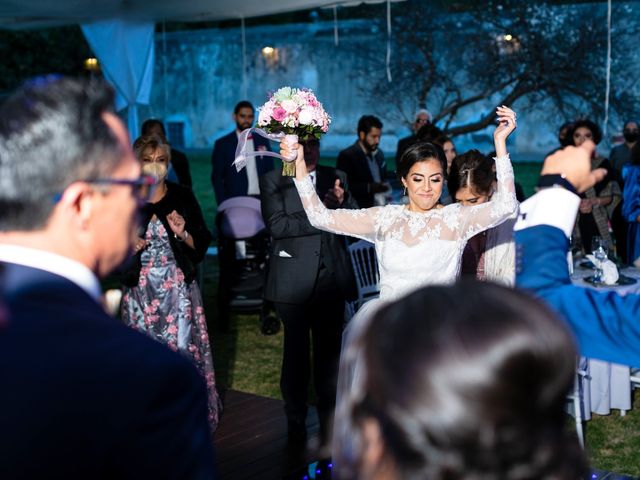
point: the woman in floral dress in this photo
(161, 297)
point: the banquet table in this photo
(605, 385)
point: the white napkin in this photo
(610, 273)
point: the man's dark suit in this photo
(403, 144)
(354, 163)
(309, 278)
(226, 180)
(83, 396)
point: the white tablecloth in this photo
(607, 385)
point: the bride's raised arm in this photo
(356, 223)
(503, 203)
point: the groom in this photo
(606, 325)
(309, 278)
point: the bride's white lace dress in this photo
(414, 249)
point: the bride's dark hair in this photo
(420, 152)
(468, 382)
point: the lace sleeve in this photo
(356, 223)
(503, 203)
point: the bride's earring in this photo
(404, 192)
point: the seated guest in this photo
(364, 164)
(179, 171)
(599, 202)
(161, 296)
(489, 255)
(83, 396)
(422, 117)
(462, 390)
(605, 324)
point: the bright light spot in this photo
(267, 51)
(91, 63)
(508, 37)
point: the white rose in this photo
(306, 117)
(289, 106)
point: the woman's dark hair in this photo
(440, 140)
(469, 389)
(593, 127)
(428, 133)
(420, 152)
(474, 170)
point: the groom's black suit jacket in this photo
(83, 396)
(291, 279)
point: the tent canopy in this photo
(23, 14)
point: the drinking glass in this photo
(600, 251)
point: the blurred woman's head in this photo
(585, 130)
(461, 382)
(154, 154)
(422, 171)
(448, 148)
(472, 178)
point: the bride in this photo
(420, 243)
(416, 244)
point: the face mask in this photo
(630, 135)
(156, 170)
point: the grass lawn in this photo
(246, 360)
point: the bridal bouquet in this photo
(295, 113)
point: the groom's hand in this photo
(574, 164)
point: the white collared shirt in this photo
(253, 187)
(53, 263)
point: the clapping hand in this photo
(334, 196)
(574, 164)
(140, 244)
(176, 223)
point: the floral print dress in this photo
(170, 310)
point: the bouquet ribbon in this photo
(241, 150)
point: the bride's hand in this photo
(507, 123)
(287, 149)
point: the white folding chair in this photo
(365, 268)
(576, 397)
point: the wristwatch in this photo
(186, 235)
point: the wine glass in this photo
(600, 251)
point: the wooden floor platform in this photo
(251, 440)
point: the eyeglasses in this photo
(143, 187)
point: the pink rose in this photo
(170, 318)
(172, 330)
(279, 114)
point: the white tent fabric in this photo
(20, 14)
(125, 50)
